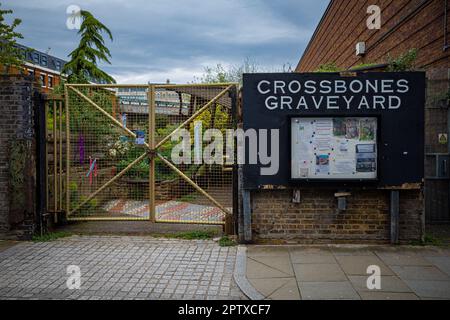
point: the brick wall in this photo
(316, 218)
(406, 24)
(17, 205)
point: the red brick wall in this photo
(316, 219)
(45, 88)
(406, 24)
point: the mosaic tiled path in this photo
(167, 211)
(119, 268)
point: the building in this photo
(45, 68)
(135, 101)
(405, 24)
(343, 38)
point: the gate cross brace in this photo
(151, 153)
(110, 117)
(195, 115)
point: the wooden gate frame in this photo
(151, 152)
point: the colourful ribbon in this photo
(92, 168)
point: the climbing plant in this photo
(404, 62)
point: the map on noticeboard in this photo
(342, 148)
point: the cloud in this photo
(160, 39)
(175, 75)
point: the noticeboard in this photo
(339, 148)
(381, 114)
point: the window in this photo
(44, 61)
(42, 79)
(35, 57)
(50, 82)
(23, 53)
(336, 148)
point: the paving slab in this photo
(268, 251)
(430, 289)
(320, 250)
(269, 285)
(280, 263)
(352, 250)
(434, 252)
(420, 273)
(339, 272)
(289, 291)
(328, 291)
(398, 258)
(258, 270)
(377, 295)
(443, 263)
(388, 284)
(357, 265)
(312, 256)
(319, 272)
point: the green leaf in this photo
(10, 55)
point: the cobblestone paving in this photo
(119, 268)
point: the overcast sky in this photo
(155, 40)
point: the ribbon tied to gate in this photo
(92, 169)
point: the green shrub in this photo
(404, 62)
(363, 65)
(193, 235)
(328, 67)
(225, 241)
(51, 236)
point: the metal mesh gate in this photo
(122, 149)
(437, 152)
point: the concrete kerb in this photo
(240, 277)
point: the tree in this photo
(219, 74)
(82, 66)
(10, 55)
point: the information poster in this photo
(334, 148)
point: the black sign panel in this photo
(274, 101)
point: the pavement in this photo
(118, 267)
(148, 268)
(6, 244)
(340, 272)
